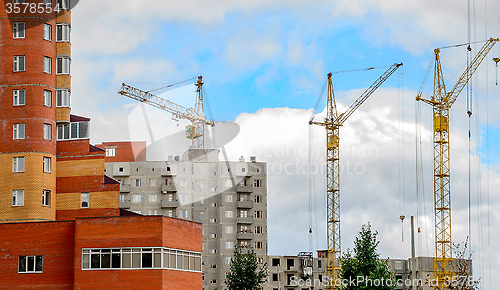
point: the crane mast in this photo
(332, 124)
(441, 102)
(195, 131)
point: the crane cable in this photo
(401, 132)
(171, 85)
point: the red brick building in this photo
(124, 151)
(60, 222)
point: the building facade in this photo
(60, 217)
(229, 198)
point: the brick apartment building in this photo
(61, 226)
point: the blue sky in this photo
(264, 63)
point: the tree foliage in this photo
(245, 271)
(363, 261)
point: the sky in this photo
(264, 64)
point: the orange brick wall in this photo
(126, 151)
(54, 240)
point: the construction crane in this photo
(195, 131)
(441, 102)
(332, 124)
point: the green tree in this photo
(364, 263)
(245, 271)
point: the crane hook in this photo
(496, 60)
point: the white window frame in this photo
(136, 198)
(18, 197)
(152, 182)
(85, 200)
(63, 32)
(46, 164)
(63, 98)
(257, 183)
(47, 131)
(19, 63)
(34, 269)
(183, 213)
(229, 245)
(229, 229)
(229, 198)
(123, 197)
(18, 164)
(229, 214)
(47, 65)
(18, 131)
(63, 65)
(110, 152)
(47, 98)
(259, 245)
(47, 31)
(153, 198)
(229, 182)
(18, 96)
(46, 198)
(19, 30)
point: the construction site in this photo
(166, 193)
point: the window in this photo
(229, 214)
(228, 260)
(18, 29)
(152, 182)
(110, 152)
(275, 262)
(169, 213)
(46, 164)
(63, 65)
(228, 229)
(47, 32)
(243, 213)
(153, 198)
(260, 260)
(169, 181)
(213, 189)
(257, 183)
(244, 197)
(30, 264)
(244, 229)
(140, 258)
(183, 213)
(123, 197)
(137, 182)
(275, 277)
(213, 236)
(63, 32)
(46, 198)
(183, 198)
(19, 63)
(184, 182)
(258, 245)
(84, 200)
(229, 183)
(17, 1)
(202, 215)
(18, 132)
(170, 197)
(47, 98)
(47, 65)
(213, 204)
(213, 251)
(63, 4)
(201, 184)
(213, 221)
(18, 197)
(243, 169)
(19, 97)
(258, 214)
(229, 198)
(47, 131)
(213, 173)
(229, 245)
(136, 198)
(202, 200)
(258, 199)
(18, 164)
(258, 230)
(319, 263)
(63, 98)
(153, 212)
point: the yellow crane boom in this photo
(196, 115)
(441, 102)
(332, 124)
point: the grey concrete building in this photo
(305, 272)
(229, 198)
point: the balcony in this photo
(244, 188)
(168, 188)
(244, 204)
(167, 203)
(125, 204)
(246, 235)
(245, 220)
(124, 188)
(165, 172)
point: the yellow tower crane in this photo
(332, 124)
(195, 131)
(441, 102)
